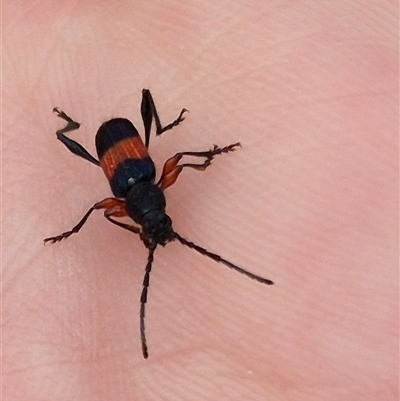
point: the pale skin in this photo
(309, 201)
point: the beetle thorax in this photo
(145, 204)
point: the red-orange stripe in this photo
(130, 148)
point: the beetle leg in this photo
(172, 169)
(120, 211)
(107, 203)
(72, 145)
(149, 111)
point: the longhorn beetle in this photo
(131, 174)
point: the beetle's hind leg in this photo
(172, 169)
(72, 145)
(149, 111)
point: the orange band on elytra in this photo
(130, 148)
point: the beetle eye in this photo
(166, 221)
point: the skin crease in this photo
(309, 201)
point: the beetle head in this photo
(157, 227)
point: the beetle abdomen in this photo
(123, 156)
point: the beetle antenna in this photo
(143, 300)
(218, 259)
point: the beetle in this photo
(131, 174)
